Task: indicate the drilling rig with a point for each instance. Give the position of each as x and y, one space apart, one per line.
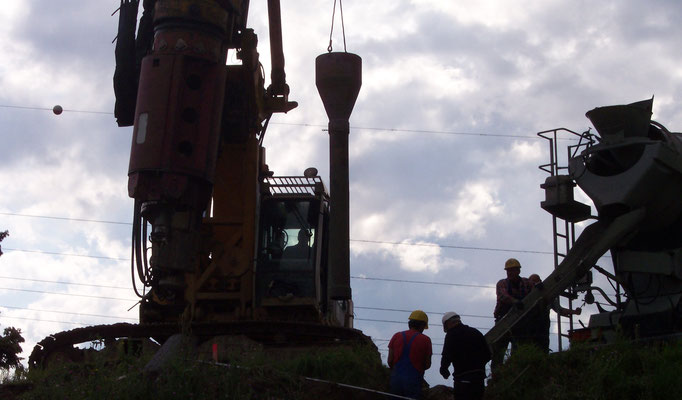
220 245
632 170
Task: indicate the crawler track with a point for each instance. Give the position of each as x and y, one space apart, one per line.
268 333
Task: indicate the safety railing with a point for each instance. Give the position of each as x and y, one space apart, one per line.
295 185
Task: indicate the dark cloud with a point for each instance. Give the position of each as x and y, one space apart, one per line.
71 34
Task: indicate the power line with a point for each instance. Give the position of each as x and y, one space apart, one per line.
322 126
452 246
69 313
388 340
68 254
414 131
124 288
351 240
119 299
64 283
65 218
423 282
403 243
403 322
50 109
353 277
68 294
433 312
428 312
45 320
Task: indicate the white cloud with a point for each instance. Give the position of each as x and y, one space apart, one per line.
525 152
477 202
424 257
422 74
66 188
10 13
465 217
464 214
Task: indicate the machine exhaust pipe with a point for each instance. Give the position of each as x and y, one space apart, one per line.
338 77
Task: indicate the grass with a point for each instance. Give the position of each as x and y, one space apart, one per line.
622 371
263 375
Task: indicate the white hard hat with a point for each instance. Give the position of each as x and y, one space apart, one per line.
449 315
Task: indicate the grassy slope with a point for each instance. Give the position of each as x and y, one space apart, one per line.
620 372
261 377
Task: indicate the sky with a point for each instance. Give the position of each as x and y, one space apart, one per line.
444 157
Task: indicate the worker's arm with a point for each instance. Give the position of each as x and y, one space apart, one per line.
445 358
564 312
391 354
427 361
503 295
485 348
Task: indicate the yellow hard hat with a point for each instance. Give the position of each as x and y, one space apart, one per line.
512 263
419 315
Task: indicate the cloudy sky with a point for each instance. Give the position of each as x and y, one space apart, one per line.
445 184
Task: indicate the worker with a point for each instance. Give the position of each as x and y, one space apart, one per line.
302 248
409 355
468 352
538 323
510 293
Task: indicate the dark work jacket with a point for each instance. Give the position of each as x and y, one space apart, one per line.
506 288
467 350
534 328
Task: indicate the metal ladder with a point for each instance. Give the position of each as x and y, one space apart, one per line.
563 231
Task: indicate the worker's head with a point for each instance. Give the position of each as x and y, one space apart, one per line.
512 263
418 320
513 268
535 279
450 320
304 236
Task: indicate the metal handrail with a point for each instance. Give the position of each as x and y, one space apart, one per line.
294 185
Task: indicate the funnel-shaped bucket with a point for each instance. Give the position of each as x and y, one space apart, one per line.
338 77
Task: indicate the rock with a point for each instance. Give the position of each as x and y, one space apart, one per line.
439 392
175 348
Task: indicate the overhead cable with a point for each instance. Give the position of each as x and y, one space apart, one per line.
68 294
354 128
69 313
64 283
402 243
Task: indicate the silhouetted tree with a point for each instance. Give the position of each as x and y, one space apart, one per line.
10 347
2 236
11 339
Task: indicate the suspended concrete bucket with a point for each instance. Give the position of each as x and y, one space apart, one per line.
338 77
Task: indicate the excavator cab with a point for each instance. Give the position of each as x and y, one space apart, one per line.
291 265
